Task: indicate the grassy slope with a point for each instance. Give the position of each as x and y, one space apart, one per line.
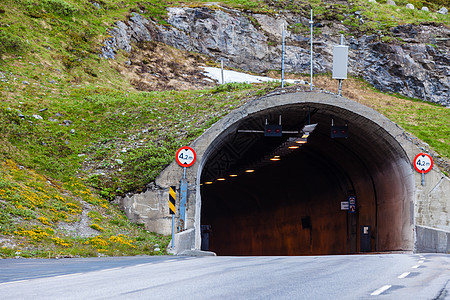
98 130
40 217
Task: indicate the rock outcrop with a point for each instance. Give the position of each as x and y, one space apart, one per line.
417 67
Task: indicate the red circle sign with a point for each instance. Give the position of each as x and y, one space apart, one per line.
423 163
185 156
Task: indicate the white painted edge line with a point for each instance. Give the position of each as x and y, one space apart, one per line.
110 269
415 267
65 275
381 290
421 261
37 278
17 281
404 275
142 265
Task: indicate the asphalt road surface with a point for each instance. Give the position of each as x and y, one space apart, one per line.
375 276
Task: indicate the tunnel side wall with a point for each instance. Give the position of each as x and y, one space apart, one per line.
151 209
431 210
432 205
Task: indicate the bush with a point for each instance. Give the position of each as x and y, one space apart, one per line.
38 9
10 43
59 7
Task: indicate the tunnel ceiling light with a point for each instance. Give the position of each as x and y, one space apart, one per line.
221 179
301 142
208 182
233 175
275 158
293 147
249 171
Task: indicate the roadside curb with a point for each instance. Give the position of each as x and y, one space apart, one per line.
196 253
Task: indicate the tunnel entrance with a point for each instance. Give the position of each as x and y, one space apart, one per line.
295 204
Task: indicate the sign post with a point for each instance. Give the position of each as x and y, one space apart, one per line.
185 157
423 163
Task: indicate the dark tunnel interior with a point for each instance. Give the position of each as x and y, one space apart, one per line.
328 196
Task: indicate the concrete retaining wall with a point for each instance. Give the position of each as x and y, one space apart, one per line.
432 204
432 240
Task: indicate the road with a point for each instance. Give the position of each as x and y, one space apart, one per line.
375 276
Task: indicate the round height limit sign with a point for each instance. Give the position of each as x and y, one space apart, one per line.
185 156
423 163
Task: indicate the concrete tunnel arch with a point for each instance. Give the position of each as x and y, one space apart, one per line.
248 218
373 164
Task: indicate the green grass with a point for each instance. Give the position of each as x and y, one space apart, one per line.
377 18
429 122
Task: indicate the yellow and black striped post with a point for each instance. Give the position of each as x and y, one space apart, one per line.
172 196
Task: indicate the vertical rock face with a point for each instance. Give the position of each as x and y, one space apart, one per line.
414 70
218 34
418 67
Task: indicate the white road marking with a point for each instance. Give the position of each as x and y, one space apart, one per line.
142 265
381 290
415 267
111 269
31 279
17 281
421 261
404 275
65 275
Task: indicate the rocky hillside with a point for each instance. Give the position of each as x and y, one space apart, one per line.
412 60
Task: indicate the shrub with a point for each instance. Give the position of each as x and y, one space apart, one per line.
38 9
59 7
10 43
97 227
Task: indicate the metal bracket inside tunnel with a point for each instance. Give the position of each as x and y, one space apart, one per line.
286 147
